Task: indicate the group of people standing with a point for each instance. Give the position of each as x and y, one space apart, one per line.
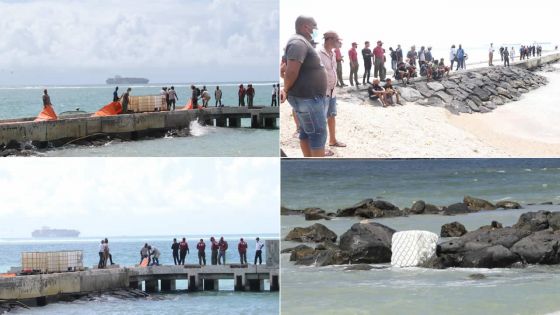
248 93
104 254
218 250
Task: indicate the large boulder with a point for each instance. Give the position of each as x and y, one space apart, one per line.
453 229
312 214
542 247
315 233
431 209
436 86
478 204
496 256
507 204
409 94
456 208
299 252
288 211
368 243
331 257
418 207
370 208
533 221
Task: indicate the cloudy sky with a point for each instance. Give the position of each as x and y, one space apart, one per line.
438 23
147 196
84 42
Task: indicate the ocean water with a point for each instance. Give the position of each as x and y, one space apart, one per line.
387 290
125 251
16 102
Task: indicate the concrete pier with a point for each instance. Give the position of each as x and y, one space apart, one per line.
130 126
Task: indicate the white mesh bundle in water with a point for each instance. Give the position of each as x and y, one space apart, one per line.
413 248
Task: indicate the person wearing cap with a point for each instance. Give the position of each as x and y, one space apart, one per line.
379 70
305 83
366 54
331 41
354 65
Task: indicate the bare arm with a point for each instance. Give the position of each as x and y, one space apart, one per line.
290 77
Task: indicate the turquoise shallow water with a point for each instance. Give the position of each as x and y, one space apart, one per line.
388 290
125 251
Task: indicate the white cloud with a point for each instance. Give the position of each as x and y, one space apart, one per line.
128 196
169 40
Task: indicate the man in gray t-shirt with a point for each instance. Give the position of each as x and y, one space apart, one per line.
305 83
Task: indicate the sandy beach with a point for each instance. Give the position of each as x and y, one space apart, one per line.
526 128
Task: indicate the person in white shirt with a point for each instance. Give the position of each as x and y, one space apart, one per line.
274 93
101 263
258 250
490 54
452 55
163 100
155 253
512 54
328 59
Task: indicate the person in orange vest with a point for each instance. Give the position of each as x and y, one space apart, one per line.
223 247
183 251
214 247
201 246
242 248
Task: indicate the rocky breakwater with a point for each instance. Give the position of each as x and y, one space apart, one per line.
480 90
375 208
534 239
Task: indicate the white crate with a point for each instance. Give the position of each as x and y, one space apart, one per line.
46 262
412 248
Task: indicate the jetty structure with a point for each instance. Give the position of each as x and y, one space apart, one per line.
40 289
129 126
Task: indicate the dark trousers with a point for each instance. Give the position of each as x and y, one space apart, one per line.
379 69
110 257
273 102
460 63
339 73
202 258
241 101
243 257
506 61
101 263
214 257
218 101
354 73
171 104
258 254
250 100
182 257
176 259
367 72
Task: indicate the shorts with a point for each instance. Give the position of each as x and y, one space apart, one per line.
330 107
312 120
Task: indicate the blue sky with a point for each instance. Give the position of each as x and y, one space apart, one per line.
140 196
79 42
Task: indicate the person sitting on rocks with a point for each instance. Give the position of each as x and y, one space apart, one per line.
402 72
442 68
376 92
390 92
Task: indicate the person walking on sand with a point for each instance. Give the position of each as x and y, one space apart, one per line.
242 249
218 96
183 251
274 93
354 65
175 251
223 246
116 94
366 54
331 40
491 54
453 56
214 247
250 95
125 100
241 93
173 98
379 55
201 248
258 251
305 83
339 61
505 54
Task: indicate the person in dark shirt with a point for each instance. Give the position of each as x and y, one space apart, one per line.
46 99
214 248
242 249
175 249
250 95
116 94
241 93
394 58
376 92
366 54
223 246
399 53
390 92
194 97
